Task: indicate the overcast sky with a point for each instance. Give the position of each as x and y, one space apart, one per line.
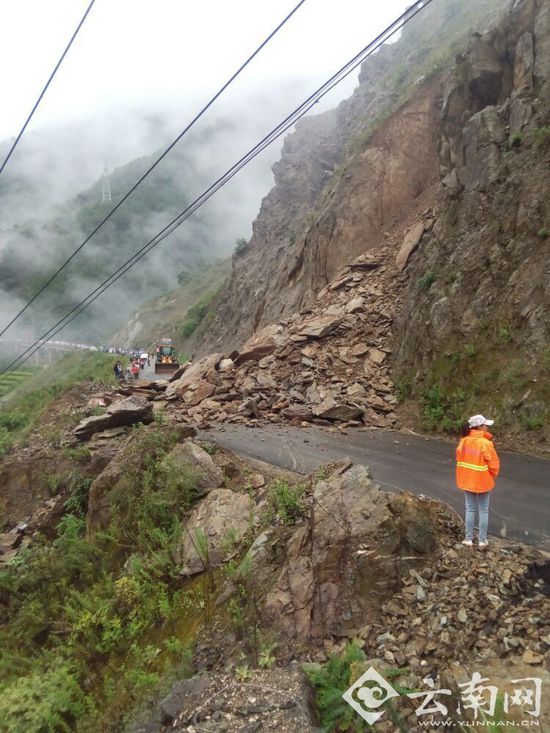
157 52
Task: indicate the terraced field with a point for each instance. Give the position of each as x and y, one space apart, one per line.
11 380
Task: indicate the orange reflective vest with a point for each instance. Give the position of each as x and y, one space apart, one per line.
477 463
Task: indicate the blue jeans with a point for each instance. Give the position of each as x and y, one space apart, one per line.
481 502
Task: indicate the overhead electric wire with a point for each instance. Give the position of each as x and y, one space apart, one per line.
153 166
45 88
279 130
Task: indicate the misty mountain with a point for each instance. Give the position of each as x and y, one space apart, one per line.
41 224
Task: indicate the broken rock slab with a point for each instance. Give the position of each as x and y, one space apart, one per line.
261 344
319 327
129 411
330 409
221 514
194 373
190 457
410 243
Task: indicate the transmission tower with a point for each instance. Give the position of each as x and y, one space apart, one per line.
106 188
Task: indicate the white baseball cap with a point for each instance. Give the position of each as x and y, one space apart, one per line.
476 421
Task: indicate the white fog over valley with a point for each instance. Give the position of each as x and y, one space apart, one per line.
135 76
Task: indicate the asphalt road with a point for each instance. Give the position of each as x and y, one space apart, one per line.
520 504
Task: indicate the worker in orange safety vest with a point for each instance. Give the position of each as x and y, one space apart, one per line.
477 466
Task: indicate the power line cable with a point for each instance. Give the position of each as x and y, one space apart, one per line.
288 122
45 89
277 132
153 166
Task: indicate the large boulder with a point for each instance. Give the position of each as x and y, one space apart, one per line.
129 411
261 344
319 327
279 699
194 373
222 518
191 458
523 65
330 409
410 243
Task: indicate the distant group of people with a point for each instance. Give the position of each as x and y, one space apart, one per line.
132 371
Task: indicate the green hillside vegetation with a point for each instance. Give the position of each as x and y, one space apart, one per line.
23 405
90 625
32 251
184 313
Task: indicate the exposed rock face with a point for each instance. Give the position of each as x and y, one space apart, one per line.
191 458
221 515
332 560
122 412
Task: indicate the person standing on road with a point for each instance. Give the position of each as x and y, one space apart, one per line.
477 466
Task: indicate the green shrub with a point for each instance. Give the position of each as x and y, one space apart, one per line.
504 334
46 701
443 411
287 501
330 681
426 281
240 246
516 140
542 134
80 454
404 389
544 232
532 422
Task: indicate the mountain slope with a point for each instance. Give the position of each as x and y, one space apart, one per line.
169 314
453 171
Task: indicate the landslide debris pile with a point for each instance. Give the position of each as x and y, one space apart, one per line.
328 363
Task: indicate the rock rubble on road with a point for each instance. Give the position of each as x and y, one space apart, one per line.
328 365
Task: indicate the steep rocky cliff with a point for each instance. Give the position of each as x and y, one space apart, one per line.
449 124
348 175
